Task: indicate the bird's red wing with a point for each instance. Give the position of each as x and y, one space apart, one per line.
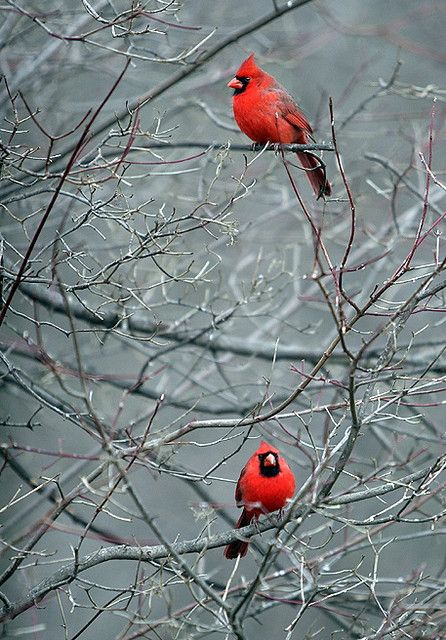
298 121
292 114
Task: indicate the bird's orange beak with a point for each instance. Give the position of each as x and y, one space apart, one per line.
269 461
235 84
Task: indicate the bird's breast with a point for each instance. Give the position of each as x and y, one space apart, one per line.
260 117
264 495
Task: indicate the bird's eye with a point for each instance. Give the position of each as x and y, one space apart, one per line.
243 79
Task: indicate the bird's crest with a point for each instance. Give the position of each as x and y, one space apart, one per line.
265 448
248 68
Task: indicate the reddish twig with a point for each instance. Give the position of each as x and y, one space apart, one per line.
52 202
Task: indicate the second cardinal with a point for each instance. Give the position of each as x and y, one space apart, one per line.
266 484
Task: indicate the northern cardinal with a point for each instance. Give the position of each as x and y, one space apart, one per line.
266 112
266 483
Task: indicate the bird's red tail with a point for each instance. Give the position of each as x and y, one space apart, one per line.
239 547
316 174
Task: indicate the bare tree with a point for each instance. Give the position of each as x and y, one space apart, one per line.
170 294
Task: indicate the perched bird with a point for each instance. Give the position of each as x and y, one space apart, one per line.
266 483
266 112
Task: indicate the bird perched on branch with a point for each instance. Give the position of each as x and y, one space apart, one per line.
266 484
266 112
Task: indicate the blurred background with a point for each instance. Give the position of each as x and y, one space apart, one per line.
163 289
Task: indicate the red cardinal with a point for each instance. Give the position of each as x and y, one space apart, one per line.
266 112
265 484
